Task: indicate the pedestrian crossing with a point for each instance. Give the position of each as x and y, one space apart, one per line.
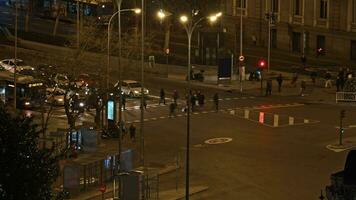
181 102
234 111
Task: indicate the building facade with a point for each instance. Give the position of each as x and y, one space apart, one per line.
299 26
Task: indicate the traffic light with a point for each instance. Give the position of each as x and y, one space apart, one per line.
262 64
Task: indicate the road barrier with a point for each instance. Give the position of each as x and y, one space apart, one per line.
346 96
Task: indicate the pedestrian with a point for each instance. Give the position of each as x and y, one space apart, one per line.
192 102
201 98
123 101
132 130
162 97
294 79
338 83
175 96
303 86
216 101
144 102
313 76
328 80
279 81
303 58
342 78
172 108
269 87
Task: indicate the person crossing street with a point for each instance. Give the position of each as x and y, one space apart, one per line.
162 97
216 101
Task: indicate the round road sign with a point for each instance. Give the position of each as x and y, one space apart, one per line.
218 140
102 188
241 58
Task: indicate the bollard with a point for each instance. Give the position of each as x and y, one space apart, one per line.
291 121
247 114
275 120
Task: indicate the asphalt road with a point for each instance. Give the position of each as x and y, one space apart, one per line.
261 162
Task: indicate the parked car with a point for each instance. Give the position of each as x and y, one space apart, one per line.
9 65
131 88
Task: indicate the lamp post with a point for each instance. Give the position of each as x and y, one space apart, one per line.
189 27
241 53
270 17
15 61
142 153
118 13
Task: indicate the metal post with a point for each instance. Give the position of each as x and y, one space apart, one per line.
120 99
15 62
342 115
269 40
78 24
188 118
142 153
241 45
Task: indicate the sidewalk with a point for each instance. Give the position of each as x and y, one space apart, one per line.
171 194
313 94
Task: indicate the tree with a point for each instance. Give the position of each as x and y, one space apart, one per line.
27 172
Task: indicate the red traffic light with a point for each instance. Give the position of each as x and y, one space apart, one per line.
262 63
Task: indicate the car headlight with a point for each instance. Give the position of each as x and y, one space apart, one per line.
81 104
27 103
146 91
136 92
60 100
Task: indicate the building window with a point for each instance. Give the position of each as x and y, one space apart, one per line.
354 11
323 9
353 50
241 4
275 6
298 7
296 42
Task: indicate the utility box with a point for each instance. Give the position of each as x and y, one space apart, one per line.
133 185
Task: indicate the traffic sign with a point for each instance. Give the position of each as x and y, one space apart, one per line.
241 58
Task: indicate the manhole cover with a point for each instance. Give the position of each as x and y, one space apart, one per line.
218 140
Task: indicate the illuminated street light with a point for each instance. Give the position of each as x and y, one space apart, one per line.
189 27
183 19
118 13
161 15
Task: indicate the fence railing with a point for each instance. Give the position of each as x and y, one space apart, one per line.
346 96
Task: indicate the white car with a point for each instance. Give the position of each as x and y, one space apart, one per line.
9 65
131 88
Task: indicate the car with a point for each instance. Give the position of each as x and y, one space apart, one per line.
131 88
55 96
9 65
86 80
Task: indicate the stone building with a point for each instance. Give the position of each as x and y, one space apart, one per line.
300 26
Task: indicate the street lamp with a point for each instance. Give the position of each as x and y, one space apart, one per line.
118 13
271 18
136 11
15 61
189 27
